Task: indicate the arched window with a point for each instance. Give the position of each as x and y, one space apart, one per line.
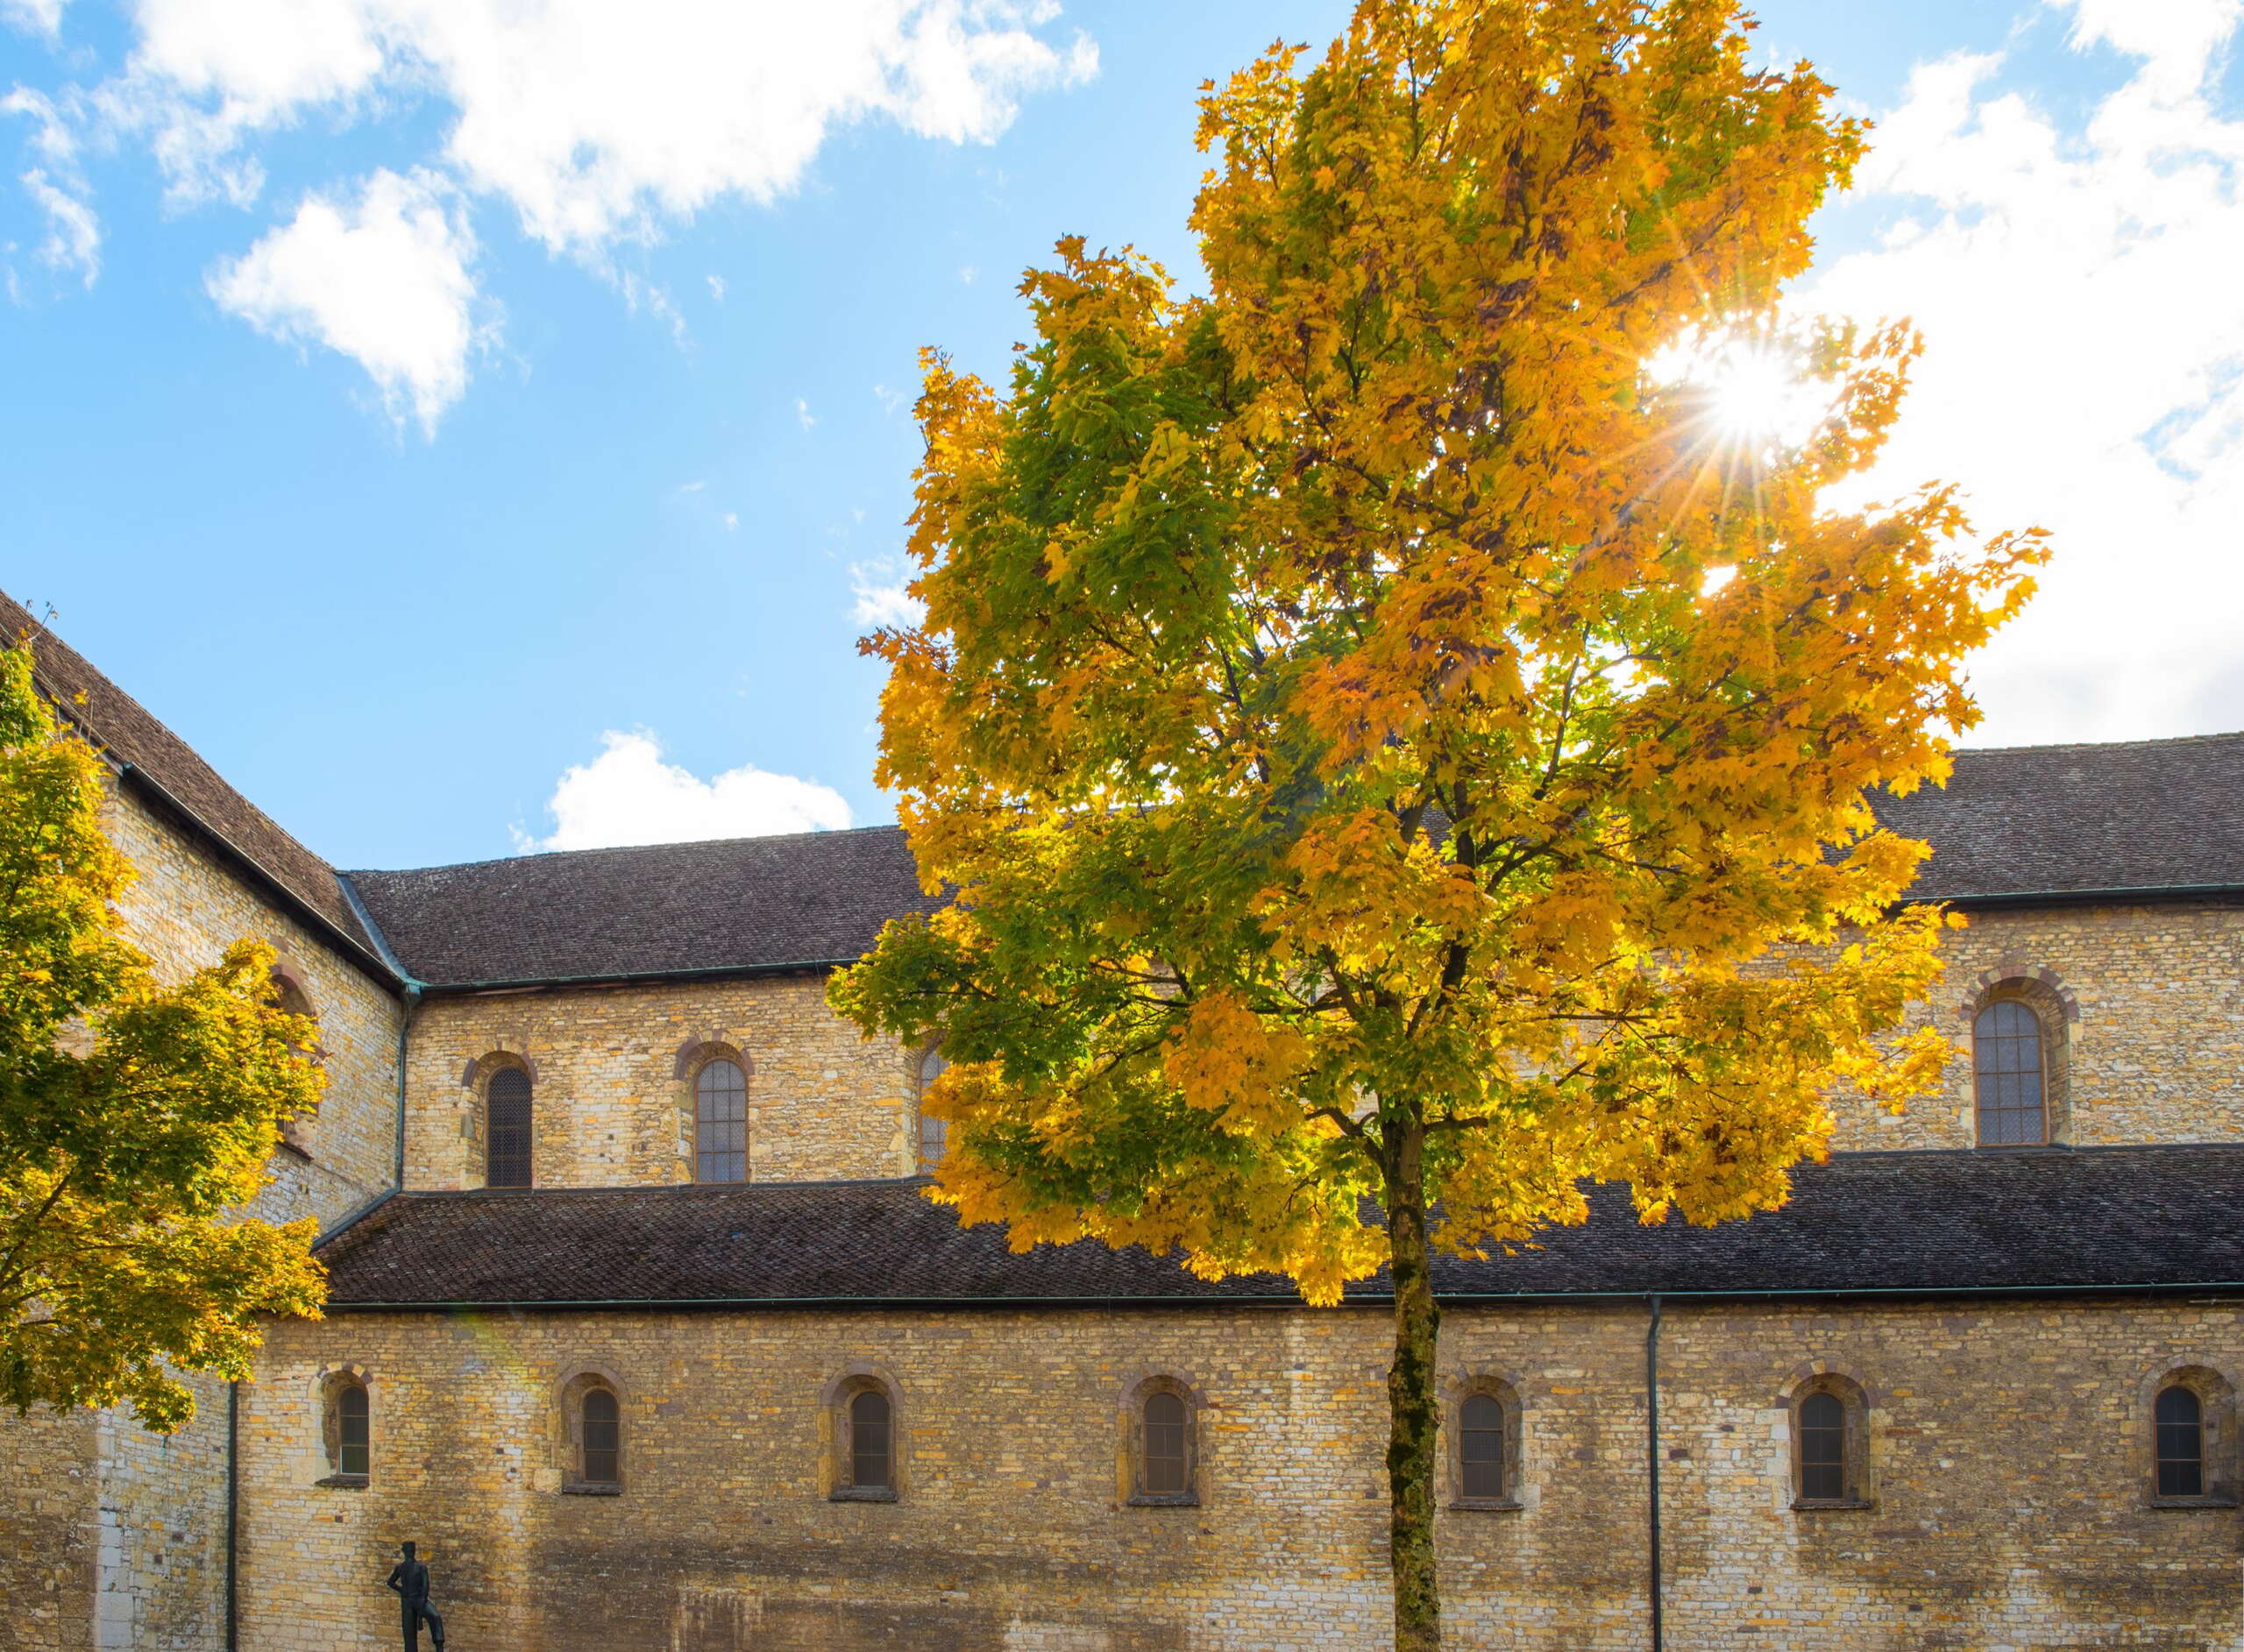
1829 1441
285 995
355 1451
720 1121
1823 1448
1163 1456
2010 1072
602 1457
931 1132
1165 1460
506 1106
872 1448
1480 1448
348 1430
2180 1432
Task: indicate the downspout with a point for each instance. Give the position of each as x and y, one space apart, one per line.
412 998
1651 1432
233 1514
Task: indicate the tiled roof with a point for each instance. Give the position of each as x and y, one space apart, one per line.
1921 1223
116 722
2037 819
744 902
2144 814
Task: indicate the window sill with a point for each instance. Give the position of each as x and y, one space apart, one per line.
343 1483
862 1495
2217 1501
1164 1499
579 1488
298 1149
1487 1506
1831 1505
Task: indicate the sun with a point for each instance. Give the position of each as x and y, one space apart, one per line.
1751 393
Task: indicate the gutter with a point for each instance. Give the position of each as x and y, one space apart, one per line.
711 972
2148 894
410 988
1586 1299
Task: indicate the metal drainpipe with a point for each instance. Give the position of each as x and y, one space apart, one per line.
233 1514
1651 1431
404 1034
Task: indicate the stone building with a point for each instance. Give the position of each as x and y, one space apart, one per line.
641 1328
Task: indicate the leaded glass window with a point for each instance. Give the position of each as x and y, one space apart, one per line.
1165 1470
603 1437
353 1431
1480 1448
931 1133
2010 1074
720 1121
871 1453
1823 1448
507 1101
2180 1431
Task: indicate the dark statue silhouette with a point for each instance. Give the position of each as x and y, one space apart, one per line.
410 1578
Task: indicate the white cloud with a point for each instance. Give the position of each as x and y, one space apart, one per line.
630 794
35 17
384 279
892 402
596 119
881 596
716 287
2084 365
803 416
74 235
732 521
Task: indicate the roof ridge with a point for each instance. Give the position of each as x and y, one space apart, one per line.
143 745
2100 744
625 848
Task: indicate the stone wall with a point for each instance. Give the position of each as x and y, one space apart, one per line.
2008 1449
2157 1047
611 1074
125 1541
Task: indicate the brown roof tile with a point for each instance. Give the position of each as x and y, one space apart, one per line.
1923 1222
118 723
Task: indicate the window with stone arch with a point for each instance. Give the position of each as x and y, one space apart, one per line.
1830 1444
593 1442
287 994
2021 1061
721 1119
863 1415
1484 1446
934 1132
1160 1443
346 1429
508 1122
2190 1437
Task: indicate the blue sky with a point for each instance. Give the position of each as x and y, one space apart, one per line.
472 433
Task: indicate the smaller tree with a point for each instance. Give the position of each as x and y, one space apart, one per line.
135 1118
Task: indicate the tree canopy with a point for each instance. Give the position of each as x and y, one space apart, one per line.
1398 751
135 1118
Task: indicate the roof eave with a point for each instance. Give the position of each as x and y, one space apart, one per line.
239 859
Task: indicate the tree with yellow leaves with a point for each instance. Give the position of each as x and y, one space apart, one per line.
1399 751
134 1117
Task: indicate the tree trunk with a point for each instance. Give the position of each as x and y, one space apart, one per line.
1411 1402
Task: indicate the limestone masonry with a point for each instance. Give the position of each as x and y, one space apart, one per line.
1956 1395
